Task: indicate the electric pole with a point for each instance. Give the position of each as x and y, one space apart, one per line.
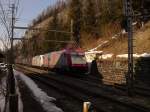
12 96
12 32
129 17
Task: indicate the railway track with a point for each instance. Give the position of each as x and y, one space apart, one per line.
138 90
116 89
90 81
66 90
84 92
95 81
61 88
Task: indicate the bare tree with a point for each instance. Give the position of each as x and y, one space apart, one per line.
5 20
5 39
4 17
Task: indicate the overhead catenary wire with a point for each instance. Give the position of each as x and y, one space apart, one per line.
41 29
4 19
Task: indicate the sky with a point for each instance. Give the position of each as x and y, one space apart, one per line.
27 11
30 9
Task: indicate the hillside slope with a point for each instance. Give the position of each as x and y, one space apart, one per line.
120 45
96 28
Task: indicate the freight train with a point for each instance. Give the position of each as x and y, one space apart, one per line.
65 60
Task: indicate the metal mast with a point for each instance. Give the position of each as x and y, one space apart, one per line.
13 97
129 17
12 32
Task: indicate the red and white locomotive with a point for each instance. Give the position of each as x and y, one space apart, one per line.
64 60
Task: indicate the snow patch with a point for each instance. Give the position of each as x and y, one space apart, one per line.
114 37
2 102
40 96
134 55
134 23
20 106
2 96
106 56
94 52
123 32
91 55
105 42
145 55
122 56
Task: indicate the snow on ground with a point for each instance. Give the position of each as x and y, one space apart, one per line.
134 55
90 56
126 56
2 96
2 102
19 97
98 46
145 55
40 96
106 56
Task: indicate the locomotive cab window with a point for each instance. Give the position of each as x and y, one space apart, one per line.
78 59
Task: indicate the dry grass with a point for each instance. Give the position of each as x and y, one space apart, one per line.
142 40
89 42
120 45
116 46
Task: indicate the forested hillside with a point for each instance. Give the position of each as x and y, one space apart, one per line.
91 21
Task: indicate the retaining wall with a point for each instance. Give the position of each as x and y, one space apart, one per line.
113 71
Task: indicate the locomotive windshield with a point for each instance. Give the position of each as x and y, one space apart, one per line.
78 59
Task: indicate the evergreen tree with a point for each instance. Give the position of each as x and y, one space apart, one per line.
89 15
52 25
116 9
48 46
75 15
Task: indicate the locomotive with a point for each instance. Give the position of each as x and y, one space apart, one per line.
64 60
